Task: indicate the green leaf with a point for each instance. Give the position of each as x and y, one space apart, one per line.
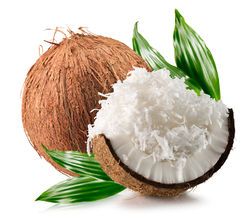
77 162
194 58
156 61
80 189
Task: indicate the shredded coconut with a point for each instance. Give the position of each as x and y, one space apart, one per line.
160 116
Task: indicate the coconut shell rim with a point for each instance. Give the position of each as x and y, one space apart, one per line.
188 184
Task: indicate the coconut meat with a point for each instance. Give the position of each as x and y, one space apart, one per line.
161 130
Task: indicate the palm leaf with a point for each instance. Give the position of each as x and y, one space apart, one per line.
80 189
156 61
77 162
194 58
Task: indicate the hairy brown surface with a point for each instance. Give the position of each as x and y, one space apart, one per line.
121 173
62 88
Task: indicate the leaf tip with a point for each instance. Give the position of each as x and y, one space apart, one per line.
136 26
44 147
44 197
178 16
39 198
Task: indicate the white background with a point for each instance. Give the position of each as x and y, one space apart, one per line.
224 25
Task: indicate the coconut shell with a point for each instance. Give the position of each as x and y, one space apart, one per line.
122 174
61 89
104 154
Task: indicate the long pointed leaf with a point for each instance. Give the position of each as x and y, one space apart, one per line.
156 61
80 189
194 58
77 162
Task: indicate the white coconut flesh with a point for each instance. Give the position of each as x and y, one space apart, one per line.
161 130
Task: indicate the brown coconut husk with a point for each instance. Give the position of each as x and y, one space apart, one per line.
62 88
122 174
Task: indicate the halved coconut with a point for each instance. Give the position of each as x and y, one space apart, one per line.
156 137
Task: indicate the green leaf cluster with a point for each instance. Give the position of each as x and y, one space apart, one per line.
91 184
194 60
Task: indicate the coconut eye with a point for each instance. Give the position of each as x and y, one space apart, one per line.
165 141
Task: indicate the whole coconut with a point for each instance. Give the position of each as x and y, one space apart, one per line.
61 90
